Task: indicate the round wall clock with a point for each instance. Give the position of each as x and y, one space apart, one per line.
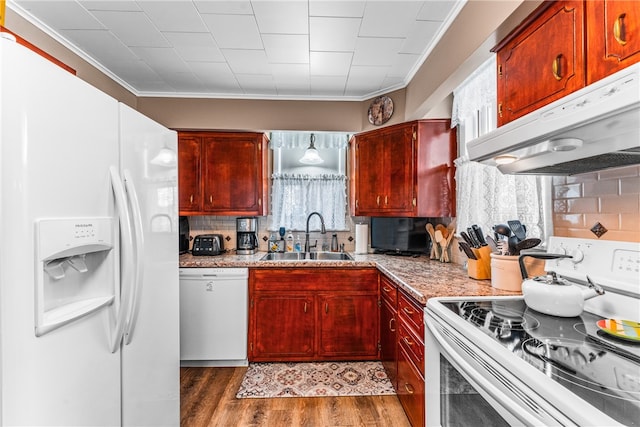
380 110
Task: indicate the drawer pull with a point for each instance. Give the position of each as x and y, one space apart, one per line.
556 68
619 29
386 289
408 341
409 388
326 307
305 307
391 328
408 311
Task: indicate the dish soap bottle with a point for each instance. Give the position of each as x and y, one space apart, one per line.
297 247
334 243
289 242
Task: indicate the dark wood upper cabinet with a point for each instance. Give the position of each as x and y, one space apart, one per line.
222 173
404 170
543 62
562 47
613 37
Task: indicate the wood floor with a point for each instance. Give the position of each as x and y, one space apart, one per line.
207 398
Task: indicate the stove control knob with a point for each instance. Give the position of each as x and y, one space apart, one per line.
577 256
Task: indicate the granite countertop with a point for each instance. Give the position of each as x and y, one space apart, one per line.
420 277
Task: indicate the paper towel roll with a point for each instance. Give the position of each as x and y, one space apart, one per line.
362 238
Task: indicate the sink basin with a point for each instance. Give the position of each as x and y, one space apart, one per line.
283 256
335 256
295 256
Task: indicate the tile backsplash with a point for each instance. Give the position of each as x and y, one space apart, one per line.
610 198
226 225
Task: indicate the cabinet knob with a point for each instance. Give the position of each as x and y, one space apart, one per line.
378 200
191 198
305 307
619 29
556 67
326 307
211 199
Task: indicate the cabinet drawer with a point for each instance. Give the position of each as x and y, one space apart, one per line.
411 312
389 291
414 347
410 389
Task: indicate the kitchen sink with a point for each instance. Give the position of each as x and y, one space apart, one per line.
295 256
283 256
335 256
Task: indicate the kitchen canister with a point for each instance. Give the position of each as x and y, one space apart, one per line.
505 271
362 238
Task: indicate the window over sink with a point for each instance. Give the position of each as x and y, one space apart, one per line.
297 188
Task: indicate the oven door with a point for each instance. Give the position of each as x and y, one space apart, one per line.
466 387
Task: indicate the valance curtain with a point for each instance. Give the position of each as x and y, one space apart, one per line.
294 196
484 195
282 139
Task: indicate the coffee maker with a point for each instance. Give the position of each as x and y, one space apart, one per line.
247 235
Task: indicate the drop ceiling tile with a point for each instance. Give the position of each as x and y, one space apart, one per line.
195 46
101 45
289 71
258 84
62 15
234 31
376 51
352 9
434 10
330 63
420 31
365 78
333 34
286 48
247 61
161 59
403 65
132 28
281 17
214 73
184 82
174 16
235 7
327 85
377 20
121 5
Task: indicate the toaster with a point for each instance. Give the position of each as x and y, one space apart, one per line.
207 244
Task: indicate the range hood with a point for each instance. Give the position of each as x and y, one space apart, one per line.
595 128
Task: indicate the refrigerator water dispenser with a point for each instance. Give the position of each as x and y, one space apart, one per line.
75 270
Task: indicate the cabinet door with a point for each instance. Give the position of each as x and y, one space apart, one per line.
282 326
369 174
348 325
232 176
388 339
189 154
399 194
613 37
543 63
410 388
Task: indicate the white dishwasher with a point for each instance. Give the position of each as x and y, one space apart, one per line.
213 316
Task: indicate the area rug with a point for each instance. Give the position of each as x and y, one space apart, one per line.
314 379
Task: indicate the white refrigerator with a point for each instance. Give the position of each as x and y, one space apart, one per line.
89 323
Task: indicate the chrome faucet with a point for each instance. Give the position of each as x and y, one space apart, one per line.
307 247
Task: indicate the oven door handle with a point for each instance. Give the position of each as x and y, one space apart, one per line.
479 382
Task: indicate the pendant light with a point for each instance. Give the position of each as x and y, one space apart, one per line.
311 156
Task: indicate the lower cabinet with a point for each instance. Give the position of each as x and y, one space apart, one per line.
299 314
402 348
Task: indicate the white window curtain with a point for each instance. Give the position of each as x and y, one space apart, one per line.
294 196
484 195
284 139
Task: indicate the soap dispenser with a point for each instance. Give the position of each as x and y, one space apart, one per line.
334 243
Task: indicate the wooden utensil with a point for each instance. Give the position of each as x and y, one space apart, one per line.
435 247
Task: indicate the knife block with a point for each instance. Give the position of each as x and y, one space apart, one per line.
480 268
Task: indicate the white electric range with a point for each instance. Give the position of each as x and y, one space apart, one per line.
494 361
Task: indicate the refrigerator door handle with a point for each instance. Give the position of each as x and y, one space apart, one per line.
138 256
126 252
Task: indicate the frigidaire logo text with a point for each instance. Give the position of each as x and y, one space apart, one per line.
83 225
